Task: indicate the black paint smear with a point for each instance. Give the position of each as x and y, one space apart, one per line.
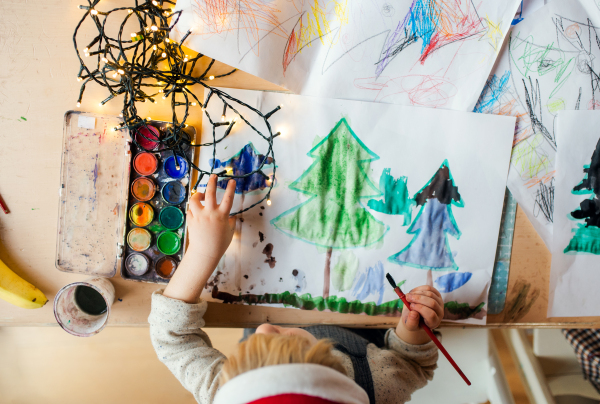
268 251
589 209
262 207
246 276
260 213
214 281
533 100
261 236
520 305
242 219
544 201
295 272
441 188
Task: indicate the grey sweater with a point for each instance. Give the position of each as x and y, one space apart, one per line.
398 369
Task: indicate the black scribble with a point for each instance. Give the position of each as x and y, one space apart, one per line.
578 100
533 99
544 201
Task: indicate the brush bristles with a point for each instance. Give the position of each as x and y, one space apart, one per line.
391 280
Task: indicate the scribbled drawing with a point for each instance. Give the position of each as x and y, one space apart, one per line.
333 216
395 197
244 163
429 249
533 100
495 89
371 283
587 236
460 311
436 23
544 200
452 281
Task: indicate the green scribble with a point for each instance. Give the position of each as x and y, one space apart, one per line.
344 271
395 197
23 118
336 182
461 311
586 240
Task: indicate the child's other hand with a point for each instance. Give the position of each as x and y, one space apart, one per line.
210 227
425 301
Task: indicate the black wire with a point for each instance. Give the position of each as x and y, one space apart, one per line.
140 78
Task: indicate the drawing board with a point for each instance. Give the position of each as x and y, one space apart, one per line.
575 271
432 53
361 189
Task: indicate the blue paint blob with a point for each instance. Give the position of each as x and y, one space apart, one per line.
246 161
172 171
173 192
370 283
452 281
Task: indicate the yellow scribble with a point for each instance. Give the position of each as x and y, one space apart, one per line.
529 158
318 23
494 33
555 105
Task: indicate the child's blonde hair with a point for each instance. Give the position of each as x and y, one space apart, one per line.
261 350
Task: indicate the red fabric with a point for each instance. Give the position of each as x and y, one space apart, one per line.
292 399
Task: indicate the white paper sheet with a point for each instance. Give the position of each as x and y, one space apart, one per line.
412 142
543 69
575 273
429 53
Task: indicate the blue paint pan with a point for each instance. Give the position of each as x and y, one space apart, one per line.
173 192
171 168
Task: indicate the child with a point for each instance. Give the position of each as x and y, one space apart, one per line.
279 364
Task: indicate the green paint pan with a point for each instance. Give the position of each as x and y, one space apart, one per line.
171 217
168 243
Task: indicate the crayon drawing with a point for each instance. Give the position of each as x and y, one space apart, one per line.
434 53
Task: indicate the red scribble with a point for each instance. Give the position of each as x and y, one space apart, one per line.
291 47
546 178
594 104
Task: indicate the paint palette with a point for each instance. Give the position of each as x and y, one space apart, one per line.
121 206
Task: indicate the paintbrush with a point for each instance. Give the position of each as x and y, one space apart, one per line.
424 326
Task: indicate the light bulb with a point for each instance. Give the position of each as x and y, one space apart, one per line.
100 104
121 71
105 60
133 34
155 47
94 12
211 77
280 105
148 119
269 202
114 129
86 49
121 115
193 104
155 2
223 118
79 79
78 104
167 40
115 75
185 59
154 28
130 11
160 90
164 97
164 55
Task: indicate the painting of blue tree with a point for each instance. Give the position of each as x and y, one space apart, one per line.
244 162
429 249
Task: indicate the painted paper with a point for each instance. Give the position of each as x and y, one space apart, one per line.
434 53
362 189
549 63
575 273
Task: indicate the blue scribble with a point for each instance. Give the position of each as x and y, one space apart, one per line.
492 92
518 19
429 249
452 281
370 283
244 162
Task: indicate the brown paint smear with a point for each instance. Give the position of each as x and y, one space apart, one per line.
268 251
520 305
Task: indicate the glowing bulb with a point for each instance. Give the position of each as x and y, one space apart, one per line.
78 104
100 104
148 119
133 34
87 55
167 40
86 49
130 11
121 71
154 28
105 60
223 118
114 129
94 12
269 202
160 90
115 75
164 55
193 104
211 77
164 97
185 59
155 2
121 115
280 105
79 79
155 47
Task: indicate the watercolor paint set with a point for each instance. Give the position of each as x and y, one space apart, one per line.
121 207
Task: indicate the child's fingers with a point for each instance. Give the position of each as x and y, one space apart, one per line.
429 292
424 300
227 201
196 204
210 197
429 315
410 319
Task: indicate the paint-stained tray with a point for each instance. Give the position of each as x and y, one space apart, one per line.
160 178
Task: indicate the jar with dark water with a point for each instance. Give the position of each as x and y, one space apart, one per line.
89 300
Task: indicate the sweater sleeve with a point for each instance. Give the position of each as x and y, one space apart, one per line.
399 369
182 346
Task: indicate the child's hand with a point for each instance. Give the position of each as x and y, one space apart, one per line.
210 227
426 302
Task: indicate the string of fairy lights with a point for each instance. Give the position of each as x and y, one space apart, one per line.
147 65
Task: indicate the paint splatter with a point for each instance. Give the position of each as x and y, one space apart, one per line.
344 271
245 276
23 118
452 281
395 197
520 305
371 283
244 162
268 251
295 272
261 236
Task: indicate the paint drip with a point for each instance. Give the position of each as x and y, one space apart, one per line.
171 169
141 214
137 264
89 300
139 239
145 136
145 163
165 267
168 243
143 189
171 217
173 192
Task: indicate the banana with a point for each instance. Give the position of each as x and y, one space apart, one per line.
18 291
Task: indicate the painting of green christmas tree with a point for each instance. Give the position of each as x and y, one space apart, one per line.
333 217
429 249
587 236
